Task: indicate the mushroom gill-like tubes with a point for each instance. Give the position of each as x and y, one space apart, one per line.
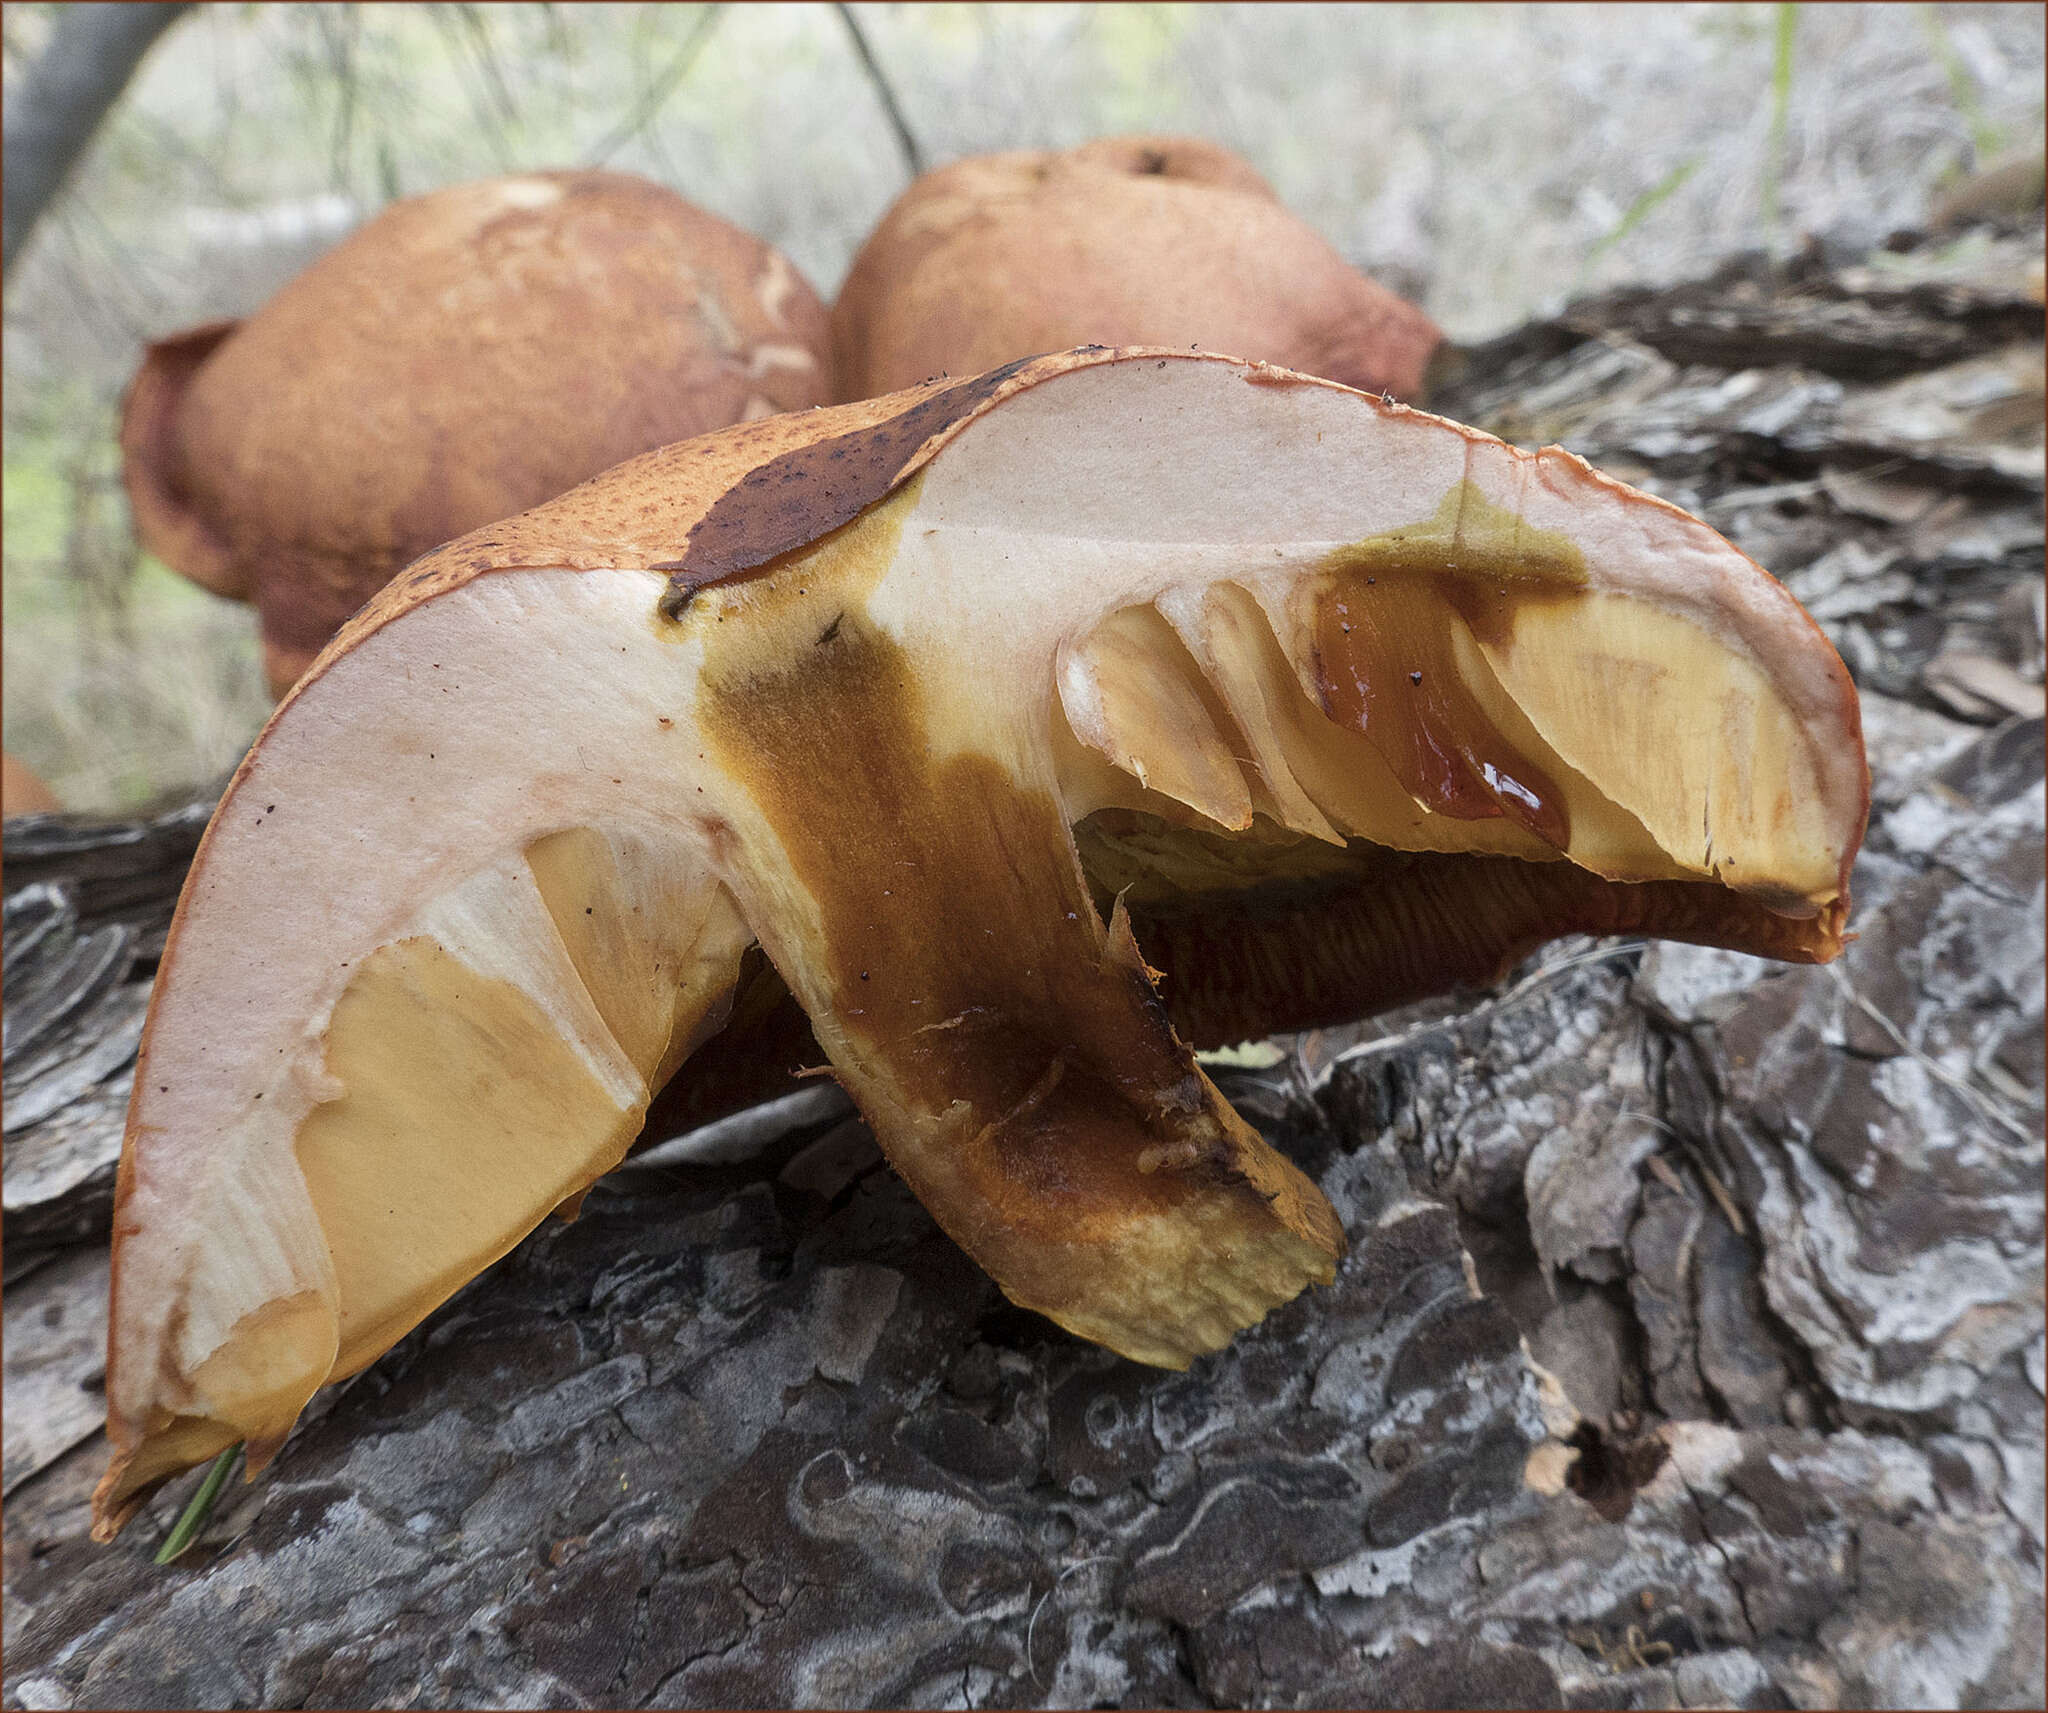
972 708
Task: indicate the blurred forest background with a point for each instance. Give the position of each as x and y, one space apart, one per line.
1489 161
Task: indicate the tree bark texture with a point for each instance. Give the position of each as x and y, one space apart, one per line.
1688 1351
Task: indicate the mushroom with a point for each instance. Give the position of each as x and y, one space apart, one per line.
975 707
1127 240
465 355
22 791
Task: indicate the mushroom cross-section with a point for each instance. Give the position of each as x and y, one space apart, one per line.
976 708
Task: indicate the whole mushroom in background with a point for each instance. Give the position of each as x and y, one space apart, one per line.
22 791
1124 241
466 355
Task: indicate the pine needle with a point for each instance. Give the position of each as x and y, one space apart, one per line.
1781 110
186 1530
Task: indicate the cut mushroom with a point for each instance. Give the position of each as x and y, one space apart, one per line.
974 707
465 355
1128 240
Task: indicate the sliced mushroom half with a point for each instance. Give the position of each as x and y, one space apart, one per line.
976 707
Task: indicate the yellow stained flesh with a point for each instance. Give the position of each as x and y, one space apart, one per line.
1671 754
1147 686
1683 732
467 1114
467 1118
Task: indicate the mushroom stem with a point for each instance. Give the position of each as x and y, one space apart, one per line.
1008 1046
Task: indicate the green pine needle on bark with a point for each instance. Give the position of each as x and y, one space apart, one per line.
1781 109
1638 211
194 1516
1985 137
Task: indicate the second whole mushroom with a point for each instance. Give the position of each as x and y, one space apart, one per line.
467 354
1124 241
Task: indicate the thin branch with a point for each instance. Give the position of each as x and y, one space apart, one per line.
913 156
490 105
340 28
51 116
1978 1101
660 89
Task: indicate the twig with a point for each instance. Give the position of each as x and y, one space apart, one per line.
340 28
457 27
1031 1628
913 156
661 88
1981 1102
1696 1153
56 105
186 1530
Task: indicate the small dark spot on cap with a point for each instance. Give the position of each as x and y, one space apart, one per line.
1415 678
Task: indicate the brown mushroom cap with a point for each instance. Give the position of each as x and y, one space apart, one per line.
936 699
1127 240
465 355
22 791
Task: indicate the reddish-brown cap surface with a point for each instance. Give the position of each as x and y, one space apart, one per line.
22 792
466 355
1127 240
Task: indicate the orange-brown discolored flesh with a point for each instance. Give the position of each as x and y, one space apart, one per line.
1018 1065
1386 667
